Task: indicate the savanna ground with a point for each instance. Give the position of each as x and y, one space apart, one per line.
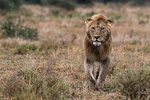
58 52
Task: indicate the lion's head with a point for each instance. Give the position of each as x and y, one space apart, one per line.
98 29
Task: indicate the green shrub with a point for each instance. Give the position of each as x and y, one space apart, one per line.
8 29
134 84
25 48
8 5
28 84
11 29
28 33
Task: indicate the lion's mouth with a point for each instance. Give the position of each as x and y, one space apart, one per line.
97 43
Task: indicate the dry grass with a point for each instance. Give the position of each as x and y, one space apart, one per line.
60 48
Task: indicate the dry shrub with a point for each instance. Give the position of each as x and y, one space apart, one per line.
146 48
12 86
9 45
28 84
134 84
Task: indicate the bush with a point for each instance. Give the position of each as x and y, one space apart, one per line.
25 48
28 84
27 33
11 29
10 4
135 84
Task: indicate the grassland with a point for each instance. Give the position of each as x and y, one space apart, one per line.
57 56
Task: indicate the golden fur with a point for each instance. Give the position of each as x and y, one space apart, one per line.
97 46
101 52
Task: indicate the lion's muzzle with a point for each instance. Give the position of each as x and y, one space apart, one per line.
97 43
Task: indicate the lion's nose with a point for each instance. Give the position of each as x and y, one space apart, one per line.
96 36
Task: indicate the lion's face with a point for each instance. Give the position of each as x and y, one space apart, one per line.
98 31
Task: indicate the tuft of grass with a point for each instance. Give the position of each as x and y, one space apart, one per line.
28 84
134 42
26 12
11 29
146 48
142 18
109 87
25 48
90 14
49 45
46 46
134 84
129 49
117 16
58 12
9 45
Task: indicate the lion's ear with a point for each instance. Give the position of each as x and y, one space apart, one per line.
110 22
88 20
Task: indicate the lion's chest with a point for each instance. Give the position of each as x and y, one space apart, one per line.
98 53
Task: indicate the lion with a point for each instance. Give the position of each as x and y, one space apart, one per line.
97 48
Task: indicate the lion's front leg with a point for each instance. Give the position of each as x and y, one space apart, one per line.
89 73
99 72
102 72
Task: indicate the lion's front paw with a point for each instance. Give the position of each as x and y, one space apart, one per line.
98 86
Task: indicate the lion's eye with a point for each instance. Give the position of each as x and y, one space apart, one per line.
93 29
102 29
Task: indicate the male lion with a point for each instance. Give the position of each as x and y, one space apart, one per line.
97 47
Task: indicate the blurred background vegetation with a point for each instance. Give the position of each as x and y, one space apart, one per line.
9 5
